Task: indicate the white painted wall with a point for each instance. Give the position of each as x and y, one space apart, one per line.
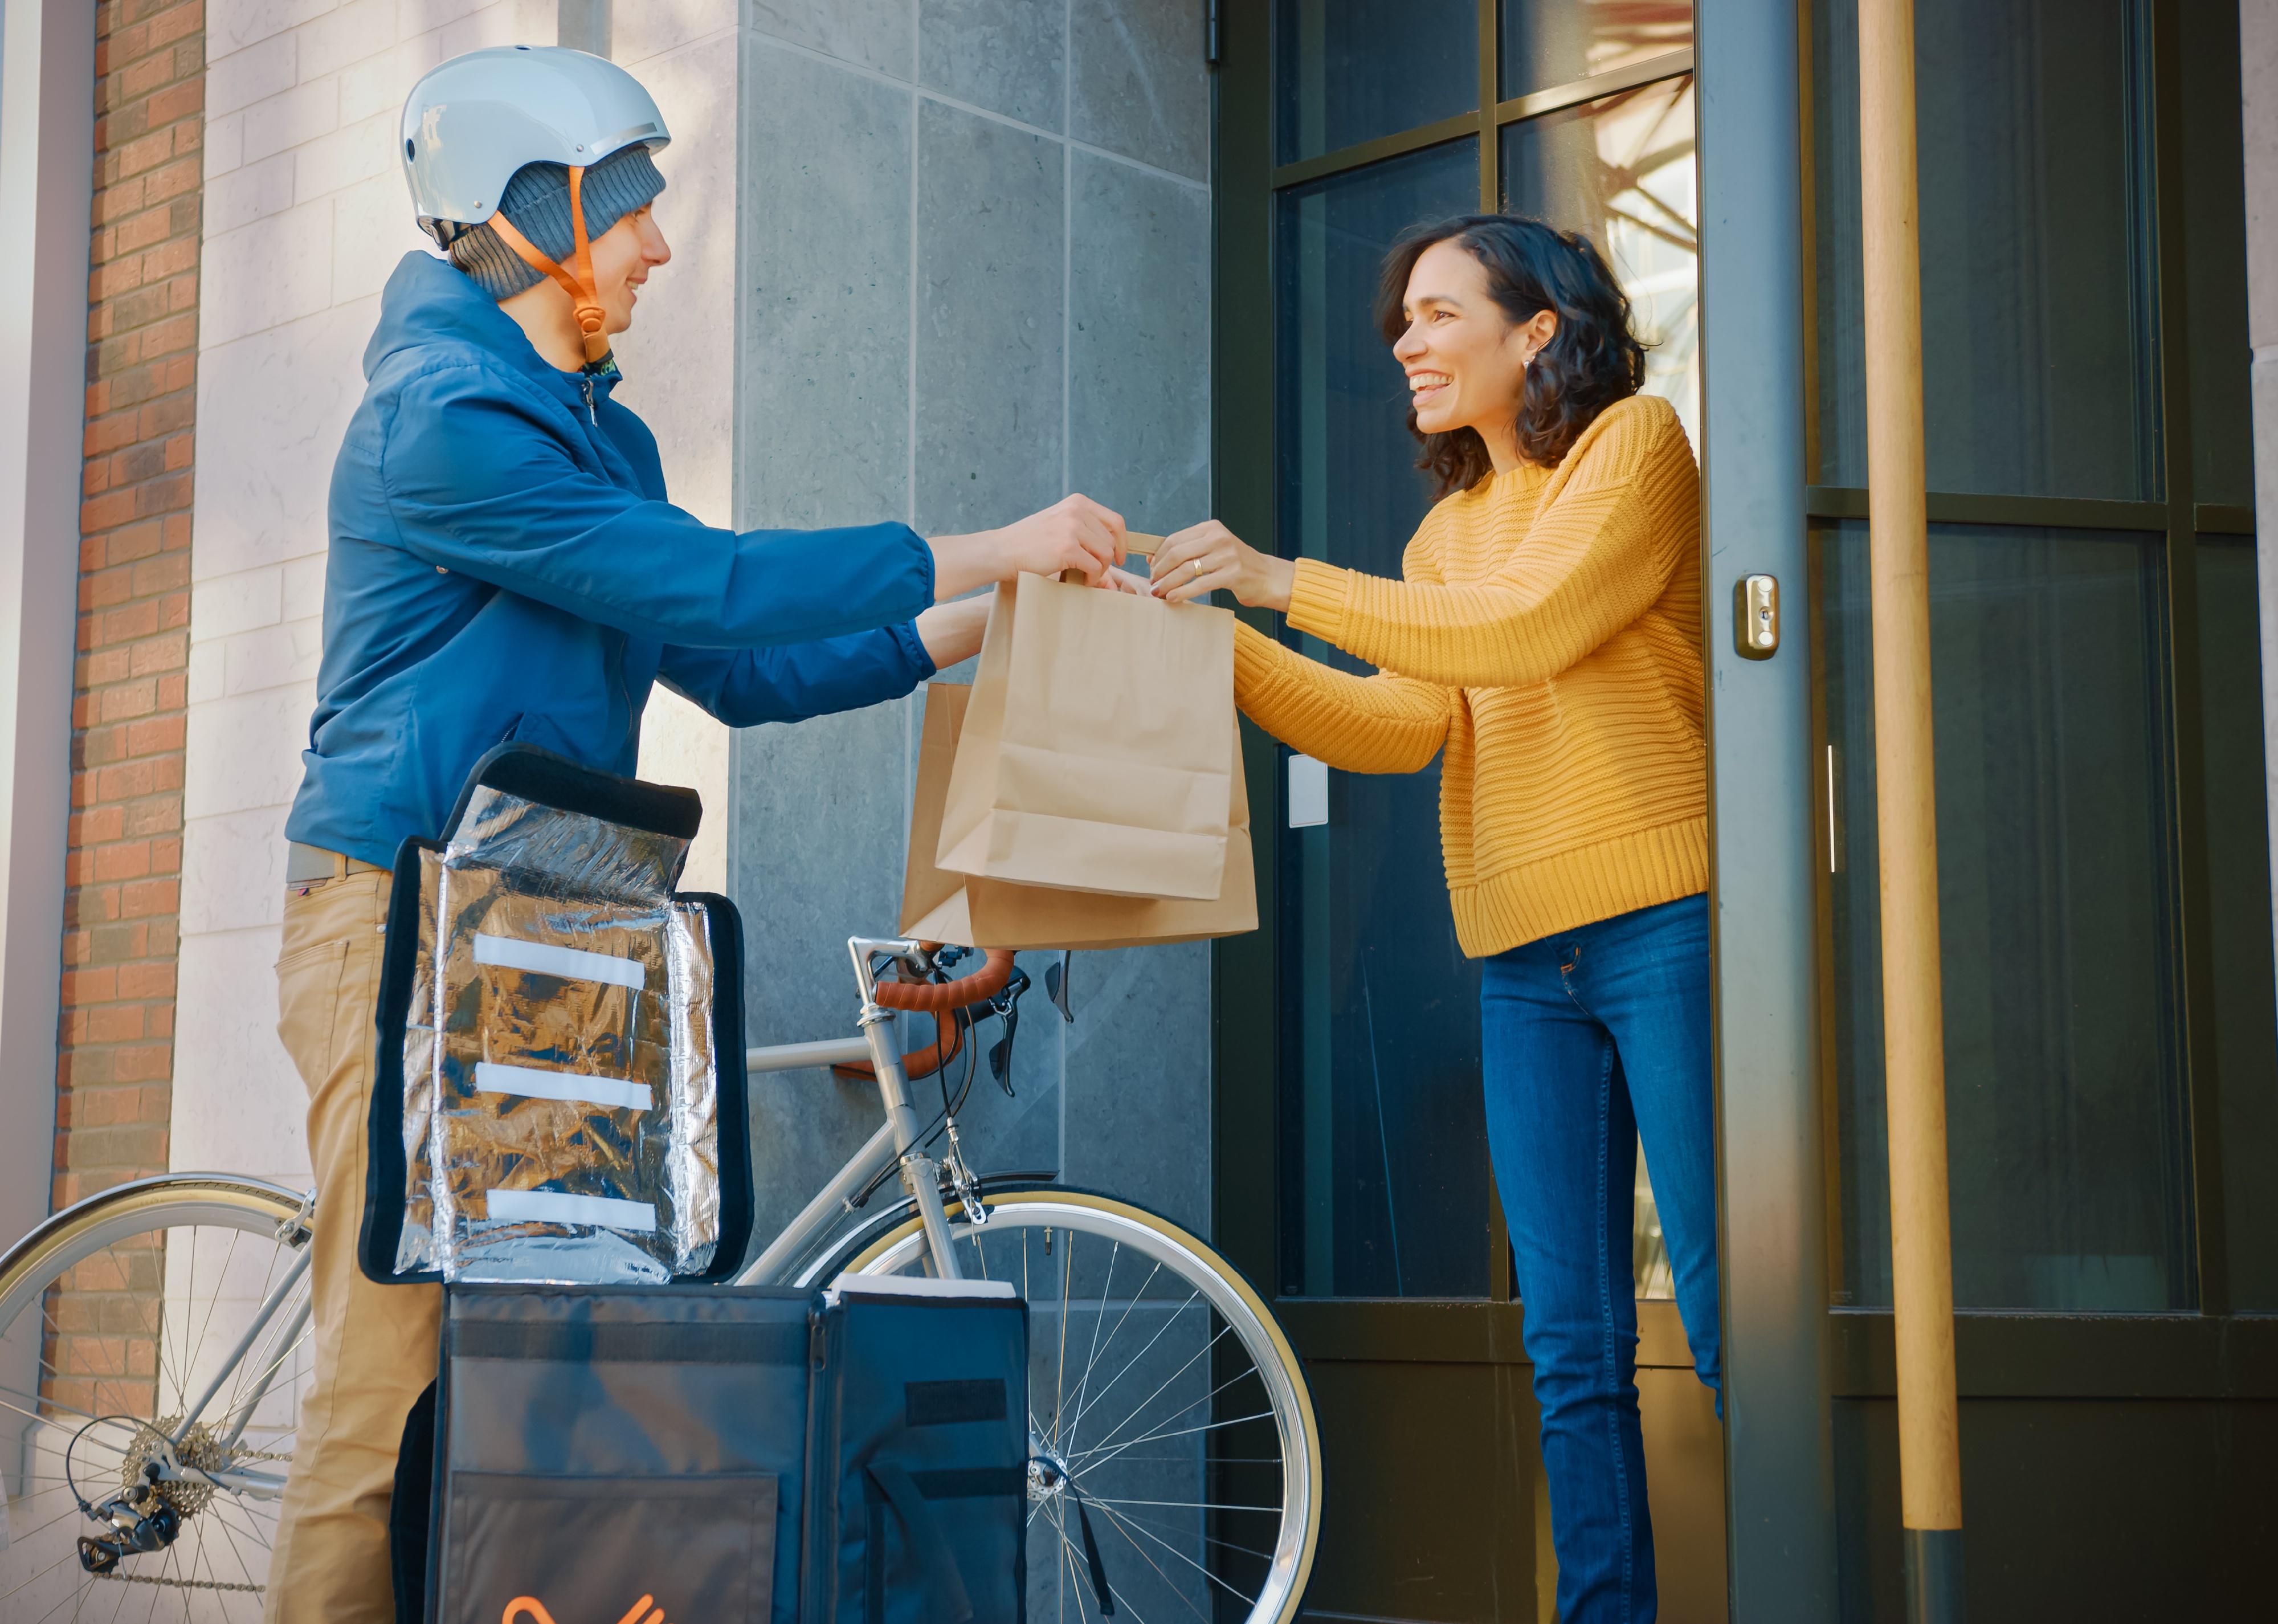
305 216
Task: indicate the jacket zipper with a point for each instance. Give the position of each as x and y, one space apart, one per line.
587 383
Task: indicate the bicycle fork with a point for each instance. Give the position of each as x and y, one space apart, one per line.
920 1174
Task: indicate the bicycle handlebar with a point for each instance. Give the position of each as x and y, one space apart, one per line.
939 998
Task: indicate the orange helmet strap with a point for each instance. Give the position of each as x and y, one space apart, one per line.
579 287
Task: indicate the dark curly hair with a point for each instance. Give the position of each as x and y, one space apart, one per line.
1593 361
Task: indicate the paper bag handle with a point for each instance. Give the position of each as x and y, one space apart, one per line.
1134 541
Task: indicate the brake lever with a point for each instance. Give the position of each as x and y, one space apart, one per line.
1006 1005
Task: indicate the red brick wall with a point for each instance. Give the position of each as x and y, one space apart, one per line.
114 1073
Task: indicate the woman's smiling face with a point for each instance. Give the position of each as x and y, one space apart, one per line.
1465 360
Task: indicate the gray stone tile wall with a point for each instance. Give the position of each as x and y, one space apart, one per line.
974 276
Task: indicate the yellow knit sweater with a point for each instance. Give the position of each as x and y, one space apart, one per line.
1548 635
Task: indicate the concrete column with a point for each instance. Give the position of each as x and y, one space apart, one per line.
976 277
47 147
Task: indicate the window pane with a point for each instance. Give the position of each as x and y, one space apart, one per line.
2064 1086
2238 916
1353 70
1620 170
2214 231
2038 363
1560 43
1383 1133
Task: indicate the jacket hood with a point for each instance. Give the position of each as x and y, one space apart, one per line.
430 300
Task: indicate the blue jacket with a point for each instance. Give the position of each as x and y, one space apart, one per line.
504 565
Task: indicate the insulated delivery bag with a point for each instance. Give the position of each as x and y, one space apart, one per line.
559 1135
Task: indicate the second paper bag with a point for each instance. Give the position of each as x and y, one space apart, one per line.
938 906
1098 744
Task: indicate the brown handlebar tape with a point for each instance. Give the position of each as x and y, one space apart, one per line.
938 998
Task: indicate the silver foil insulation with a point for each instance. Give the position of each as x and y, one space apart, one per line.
561 1094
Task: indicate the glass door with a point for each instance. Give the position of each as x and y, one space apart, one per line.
1343 123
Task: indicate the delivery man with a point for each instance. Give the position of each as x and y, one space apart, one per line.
504 565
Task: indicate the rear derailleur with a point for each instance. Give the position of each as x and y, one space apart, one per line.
139 1519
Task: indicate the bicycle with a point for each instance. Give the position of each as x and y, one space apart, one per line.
1204 1486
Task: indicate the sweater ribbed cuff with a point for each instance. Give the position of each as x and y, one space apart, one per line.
1317 598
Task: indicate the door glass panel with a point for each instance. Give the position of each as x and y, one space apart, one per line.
2239 912
2214 231
1559 44
2038 299
1620 170
1384 1139
1353 70
2069 1171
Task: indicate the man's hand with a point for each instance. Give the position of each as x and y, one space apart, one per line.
1076 532
1204 558
951 632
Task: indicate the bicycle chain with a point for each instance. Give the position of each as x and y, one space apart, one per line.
179 1584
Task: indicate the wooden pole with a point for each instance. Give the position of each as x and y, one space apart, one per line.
1922 1259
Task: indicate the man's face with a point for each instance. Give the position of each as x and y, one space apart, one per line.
622 258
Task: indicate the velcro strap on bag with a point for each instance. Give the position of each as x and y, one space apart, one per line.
953 1605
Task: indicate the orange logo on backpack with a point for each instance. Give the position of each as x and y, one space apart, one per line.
644 1611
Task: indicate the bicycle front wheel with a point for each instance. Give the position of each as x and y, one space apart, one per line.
1166 1410
117 1316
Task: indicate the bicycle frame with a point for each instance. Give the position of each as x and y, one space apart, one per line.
897 1140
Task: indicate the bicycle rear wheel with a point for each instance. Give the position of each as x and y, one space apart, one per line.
1167 1409
117 1314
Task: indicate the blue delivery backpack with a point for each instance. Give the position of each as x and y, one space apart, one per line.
720 1455
559 1135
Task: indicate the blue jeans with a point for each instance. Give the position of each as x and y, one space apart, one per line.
1590 1040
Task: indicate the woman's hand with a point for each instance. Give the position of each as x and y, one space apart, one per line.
1076 532
951 632
1204 558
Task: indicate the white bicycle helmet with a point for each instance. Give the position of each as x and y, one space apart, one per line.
470 123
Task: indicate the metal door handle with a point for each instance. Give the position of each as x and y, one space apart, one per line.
1755 617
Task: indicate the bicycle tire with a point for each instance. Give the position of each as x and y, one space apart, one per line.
172 1204
894 1241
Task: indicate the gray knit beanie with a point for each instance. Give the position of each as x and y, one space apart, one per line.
537 200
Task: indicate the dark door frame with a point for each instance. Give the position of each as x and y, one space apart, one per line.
1778 1445
1779 1475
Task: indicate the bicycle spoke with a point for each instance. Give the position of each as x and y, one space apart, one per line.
187 1366
1182 1432
1212 1539
1174 1376
1059 1381
1123 1521
1111 1499
274 1366
1099 1319
1169 1583
1230 1381
1169 1321
1136 1298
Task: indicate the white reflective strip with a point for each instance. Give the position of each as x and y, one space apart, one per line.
494 1079
916 1285
553 1206
572 963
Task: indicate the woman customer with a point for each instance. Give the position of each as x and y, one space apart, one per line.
1546 635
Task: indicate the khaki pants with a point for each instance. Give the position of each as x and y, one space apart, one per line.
375 1345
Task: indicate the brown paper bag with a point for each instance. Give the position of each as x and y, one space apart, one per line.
940 906
1097 746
